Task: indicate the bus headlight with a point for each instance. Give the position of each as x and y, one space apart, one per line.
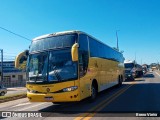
72 88
31 91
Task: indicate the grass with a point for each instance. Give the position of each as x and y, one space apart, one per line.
12 97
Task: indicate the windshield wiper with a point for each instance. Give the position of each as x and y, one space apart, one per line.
56 74
34 78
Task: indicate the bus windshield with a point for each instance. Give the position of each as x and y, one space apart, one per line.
61 66
51 66
129 65
37 67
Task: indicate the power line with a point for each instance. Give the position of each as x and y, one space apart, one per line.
8 59
9 53
15 33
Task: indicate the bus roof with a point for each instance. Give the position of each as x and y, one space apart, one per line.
70 32
129 61
56 34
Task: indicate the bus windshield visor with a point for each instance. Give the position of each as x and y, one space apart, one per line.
53 42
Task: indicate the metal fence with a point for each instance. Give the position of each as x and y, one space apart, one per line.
14 83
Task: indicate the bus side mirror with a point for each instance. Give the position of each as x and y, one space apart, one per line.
21 60
74 52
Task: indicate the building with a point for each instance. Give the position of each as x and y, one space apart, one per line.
154 66
12 77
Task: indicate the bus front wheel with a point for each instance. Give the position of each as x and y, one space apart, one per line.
94 92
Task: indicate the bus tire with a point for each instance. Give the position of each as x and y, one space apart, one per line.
120 79
132 78
57 102
94 92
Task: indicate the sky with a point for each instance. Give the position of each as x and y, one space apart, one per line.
137 23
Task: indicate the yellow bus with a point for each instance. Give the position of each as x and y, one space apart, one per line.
70 66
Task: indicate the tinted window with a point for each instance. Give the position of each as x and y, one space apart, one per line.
98 49
129 65
61 66
83 54
83 42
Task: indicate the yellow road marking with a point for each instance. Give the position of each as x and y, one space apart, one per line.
100 104
103 102
89 116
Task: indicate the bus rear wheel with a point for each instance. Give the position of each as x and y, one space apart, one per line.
120 81
56 102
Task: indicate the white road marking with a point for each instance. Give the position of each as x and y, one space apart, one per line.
157 74
31 107
21 104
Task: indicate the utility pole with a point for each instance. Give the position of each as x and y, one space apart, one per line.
135 60
158 65
1 65
135 56
117 39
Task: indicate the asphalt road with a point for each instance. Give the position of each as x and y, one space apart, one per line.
135 98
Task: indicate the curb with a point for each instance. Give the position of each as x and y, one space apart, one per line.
13 97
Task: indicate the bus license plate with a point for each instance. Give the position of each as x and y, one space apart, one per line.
48 98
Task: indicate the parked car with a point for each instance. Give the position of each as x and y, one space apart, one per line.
3 90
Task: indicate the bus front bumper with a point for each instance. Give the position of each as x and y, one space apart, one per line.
56 97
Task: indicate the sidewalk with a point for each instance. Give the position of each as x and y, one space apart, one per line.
16 88
158 71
